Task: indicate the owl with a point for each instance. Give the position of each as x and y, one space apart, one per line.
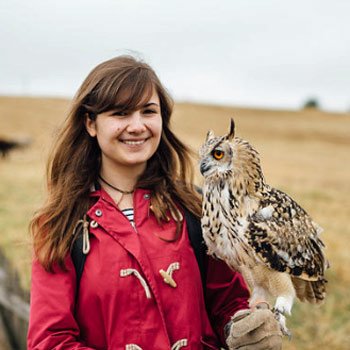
259 230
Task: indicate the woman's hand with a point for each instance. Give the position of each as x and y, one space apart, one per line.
255 329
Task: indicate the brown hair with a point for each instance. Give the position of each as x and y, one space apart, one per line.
74 163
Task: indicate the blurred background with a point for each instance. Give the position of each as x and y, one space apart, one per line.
280 68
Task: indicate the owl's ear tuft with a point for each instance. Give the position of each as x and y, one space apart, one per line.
231 133
210 135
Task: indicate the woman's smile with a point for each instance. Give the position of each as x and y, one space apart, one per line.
134 142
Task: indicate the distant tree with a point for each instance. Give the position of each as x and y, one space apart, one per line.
311 103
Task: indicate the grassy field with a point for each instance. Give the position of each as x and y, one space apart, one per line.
304 153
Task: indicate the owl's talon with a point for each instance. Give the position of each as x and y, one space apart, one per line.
281 319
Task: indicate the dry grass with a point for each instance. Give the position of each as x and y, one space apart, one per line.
304 153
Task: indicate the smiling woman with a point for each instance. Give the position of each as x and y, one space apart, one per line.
127 139
119 172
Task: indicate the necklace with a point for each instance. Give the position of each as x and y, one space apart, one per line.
115 188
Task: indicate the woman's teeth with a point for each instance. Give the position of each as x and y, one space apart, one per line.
134 142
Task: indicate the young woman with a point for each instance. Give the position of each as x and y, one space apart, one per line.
118 172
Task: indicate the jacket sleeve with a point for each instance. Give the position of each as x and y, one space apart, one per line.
226 293
51 322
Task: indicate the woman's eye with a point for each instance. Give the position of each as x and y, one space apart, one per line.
218 154
120 113
149 111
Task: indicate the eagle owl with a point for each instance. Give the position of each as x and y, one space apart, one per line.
258 230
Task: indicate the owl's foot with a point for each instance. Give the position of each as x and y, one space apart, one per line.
281 319
283 307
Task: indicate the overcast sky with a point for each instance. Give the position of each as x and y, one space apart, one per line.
268 53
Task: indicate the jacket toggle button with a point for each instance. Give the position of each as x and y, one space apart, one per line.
98 212
179 344
167 275
147 196
132 347
128 272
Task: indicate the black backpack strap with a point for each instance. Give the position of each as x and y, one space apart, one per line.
196 238
78 258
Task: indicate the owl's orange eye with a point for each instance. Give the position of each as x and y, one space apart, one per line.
218 154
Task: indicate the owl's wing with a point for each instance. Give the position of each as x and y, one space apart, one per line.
285 238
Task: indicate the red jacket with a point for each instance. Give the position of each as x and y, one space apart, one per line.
123 301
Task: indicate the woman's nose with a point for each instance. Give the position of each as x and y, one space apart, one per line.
136 124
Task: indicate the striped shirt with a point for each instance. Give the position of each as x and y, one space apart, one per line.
129 213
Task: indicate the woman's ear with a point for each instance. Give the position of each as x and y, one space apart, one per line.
90 125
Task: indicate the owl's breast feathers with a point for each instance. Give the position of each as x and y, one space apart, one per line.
224 224
285 238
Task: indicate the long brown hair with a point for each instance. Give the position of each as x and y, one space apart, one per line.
74 163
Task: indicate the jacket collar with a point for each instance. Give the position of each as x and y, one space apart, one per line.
99 193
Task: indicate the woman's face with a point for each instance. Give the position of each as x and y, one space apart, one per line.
128 138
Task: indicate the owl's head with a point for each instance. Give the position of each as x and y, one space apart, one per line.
216 153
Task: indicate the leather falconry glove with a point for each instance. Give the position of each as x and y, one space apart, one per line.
255 329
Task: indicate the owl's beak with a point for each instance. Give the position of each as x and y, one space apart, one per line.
204 167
